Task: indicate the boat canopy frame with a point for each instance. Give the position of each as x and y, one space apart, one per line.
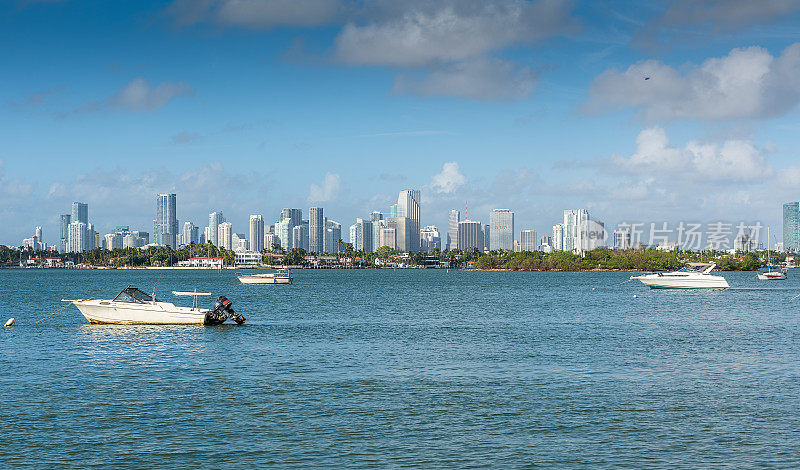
134 295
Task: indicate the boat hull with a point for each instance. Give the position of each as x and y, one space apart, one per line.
264 280
772 276
666 282
112 313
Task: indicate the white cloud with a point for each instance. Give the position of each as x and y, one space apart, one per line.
139 96
732 160
257 13
481 79
449 179
411 34
327 191
725 15
747 83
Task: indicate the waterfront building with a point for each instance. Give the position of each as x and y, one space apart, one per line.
501 222
257 233
569 229
333 233
142 238
65 220
388 237
791 226
528 240
165 227
77 237
239 242
558 237
214 219
80 213
247 257
300 236
402 231
430 239
284 232
225 235
113 241
469 235
517 246
409 206
269 241
487 233
295 214
316 230
452 229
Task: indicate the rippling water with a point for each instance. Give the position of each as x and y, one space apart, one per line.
405 368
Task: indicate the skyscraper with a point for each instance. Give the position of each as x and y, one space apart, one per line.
284 232
408 205
402 232
65 221
316 230
570 229
80 212
452 229
558 237
295 214
225 235
166 224
501 235
429 238
363 235
333 233
214 219
77 237
300 236
469 235
256 233
528 240
191 233
791 226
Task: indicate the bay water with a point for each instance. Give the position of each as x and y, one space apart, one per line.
396 368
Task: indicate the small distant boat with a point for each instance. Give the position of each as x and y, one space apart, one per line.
693 276
771 275
134 306
281 276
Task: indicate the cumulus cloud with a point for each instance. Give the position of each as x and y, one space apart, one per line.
482 79
747 83
327 191
410 34
138 95
449 179
257 13
731 160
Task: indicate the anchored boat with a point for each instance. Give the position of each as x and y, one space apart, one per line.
693 276
134 306
281 276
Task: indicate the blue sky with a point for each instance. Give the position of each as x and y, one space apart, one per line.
247 107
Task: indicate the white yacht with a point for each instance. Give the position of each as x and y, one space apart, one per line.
281 276
134 306
693 276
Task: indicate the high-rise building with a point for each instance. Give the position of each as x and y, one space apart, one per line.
487 234
239 242
225 235
501 230
256 233
214 219
409 206
284 233
452 229
622 239
388 237
469 235
80 213
570 229
791 226
558 237
333 233
402 232
191 233
166 223
77 237
295 214
113 240
300 236
316 230
528 240
363 235
430 239
65 221
269 240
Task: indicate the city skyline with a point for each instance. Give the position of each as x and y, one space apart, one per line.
633 113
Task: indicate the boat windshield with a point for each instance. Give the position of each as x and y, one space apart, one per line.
134 295
688 270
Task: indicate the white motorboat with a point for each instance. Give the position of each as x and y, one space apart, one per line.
281 276
693 276
134 306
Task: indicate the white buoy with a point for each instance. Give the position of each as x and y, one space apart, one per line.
9 322
635 296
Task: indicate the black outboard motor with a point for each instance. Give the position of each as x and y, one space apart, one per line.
223 310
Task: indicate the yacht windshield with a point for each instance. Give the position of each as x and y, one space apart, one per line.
134 295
